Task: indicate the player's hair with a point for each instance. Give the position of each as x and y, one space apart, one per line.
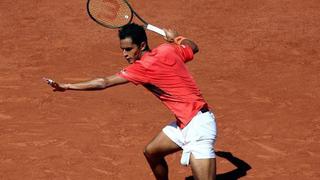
135 32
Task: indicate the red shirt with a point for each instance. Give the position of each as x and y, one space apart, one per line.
163 72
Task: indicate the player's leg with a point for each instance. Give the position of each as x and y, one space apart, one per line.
201 135
203 169
155 152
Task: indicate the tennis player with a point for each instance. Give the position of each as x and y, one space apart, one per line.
162 71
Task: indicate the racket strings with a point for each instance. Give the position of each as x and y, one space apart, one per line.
113 13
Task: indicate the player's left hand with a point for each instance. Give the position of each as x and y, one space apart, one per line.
56 86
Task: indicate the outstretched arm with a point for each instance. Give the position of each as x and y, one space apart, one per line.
173 36
95 84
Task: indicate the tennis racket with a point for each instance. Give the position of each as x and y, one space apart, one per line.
115 14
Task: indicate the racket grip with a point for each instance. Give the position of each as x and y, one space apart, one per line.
156 29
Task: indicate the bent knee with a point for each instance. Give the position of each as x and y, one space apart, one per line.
148 152
152 152
145 152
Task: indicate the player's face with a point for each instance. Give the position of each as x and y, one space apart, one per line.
131 52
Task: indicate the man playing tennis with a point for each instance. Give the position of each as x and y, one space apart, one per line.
163 72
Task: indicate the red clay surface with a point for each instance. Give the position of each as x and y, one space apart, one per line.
258 67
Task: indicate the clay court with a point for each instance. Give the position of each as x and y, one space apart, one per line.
258 68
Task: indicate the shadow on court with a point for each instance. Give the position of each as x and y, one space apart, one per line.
240 171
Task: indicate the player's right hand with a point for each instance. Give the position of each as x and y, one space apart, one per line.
170 35
56 86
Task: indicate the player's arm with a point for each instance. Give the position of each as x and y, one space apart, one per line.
173 36
94 84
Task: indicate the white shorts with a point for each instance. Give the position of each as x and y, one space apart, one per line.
198 137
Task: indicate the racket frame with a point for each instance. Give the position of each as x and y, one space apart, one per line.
133 13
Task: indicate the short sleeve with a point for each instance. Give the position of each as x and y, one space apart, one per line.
186 52
134 73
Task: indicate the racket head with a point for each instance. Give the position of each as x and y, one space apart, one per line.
110 13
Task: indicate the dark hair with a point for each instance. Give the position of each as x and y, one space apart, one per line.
135 32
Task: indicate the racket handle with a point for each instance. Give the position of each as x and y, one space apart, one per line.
156 29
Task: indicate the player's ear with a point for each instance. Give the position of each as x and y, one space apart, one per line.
143 46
